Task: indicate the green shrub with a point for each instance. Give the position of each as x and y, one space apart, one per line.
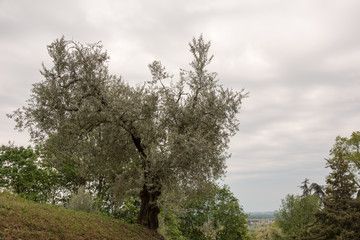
81 201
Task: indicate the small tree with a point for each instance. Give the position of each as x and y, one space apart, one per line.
295 213
22 172
158 137
218 216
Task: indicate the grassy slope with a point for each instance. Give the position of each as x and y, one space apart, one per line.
23 219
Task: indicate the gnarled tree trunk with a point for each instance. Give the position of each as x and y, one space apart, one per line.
149 210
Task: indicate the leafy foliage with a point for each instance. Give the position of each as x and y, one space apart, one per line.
268 232
22 172
127 210
295 213
217 216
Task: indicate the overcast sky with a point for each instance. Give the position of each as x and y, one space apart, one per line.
300 61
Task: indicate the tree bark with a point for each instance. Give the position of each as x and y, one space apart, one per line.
149 210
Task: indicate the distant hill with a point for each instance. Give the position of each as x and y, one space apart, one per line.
24 219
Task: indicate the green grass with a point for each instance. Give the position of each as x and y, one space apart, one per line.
24 219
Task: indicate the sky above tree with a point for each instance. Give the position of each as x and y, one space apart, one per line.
298 59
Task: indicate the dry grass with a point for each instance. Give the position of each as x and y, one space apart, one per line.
23 219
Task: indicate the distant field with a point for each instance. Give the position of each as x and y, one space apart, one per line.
258 220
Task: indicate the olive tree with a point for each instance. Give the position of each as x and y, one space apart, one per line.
163 135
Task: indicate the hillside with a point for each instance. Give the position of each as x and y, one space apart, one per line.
23 219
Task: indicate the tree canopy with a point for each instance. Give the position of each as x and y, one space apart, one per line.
163 135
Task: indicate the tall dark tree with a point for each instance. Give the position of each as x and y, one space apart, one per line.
305 188
161 136
339 219
313 188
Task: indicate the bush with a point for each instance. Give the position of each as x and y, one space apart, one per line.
82 201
